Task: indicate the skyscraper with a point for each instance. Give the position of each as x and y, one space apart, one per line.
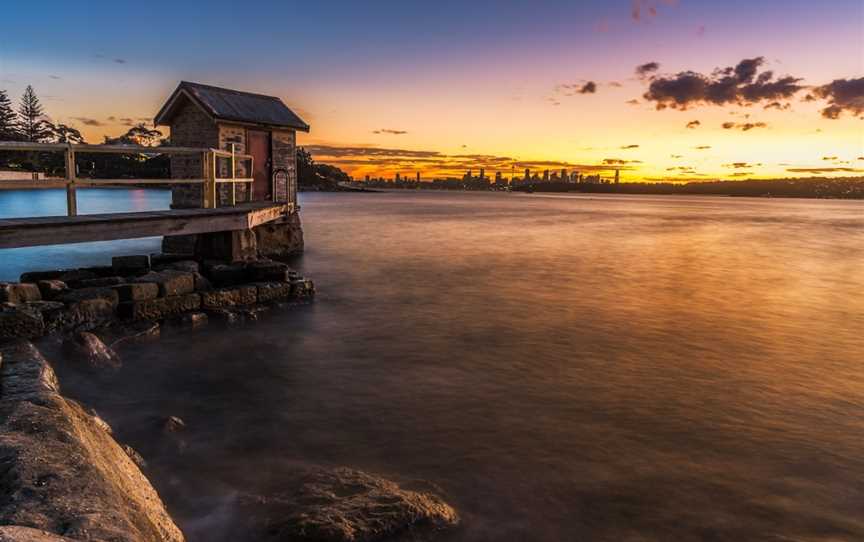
617 175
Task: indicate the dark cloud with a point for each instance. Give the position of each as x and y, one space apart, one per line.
861 157
739 85
120 61
632 102
614 84
628 147
743 126
620 161
778 106
676 156
88 121
741 165
741 174
694 124
702 147
588 88
55 77
818 170
644 9
829 158
644 70
843 96
389 131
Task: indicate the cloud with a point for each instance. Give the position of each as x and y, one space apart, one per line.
588 88
843 96
632 102
741 165
571 89
741 174
702 147
778 106
55 77
614 84
700 31
628 147
818 170
676 156
739 85
743 126
642 9
829 158
389 131
620 161
119 61
88 121
644 70
694 124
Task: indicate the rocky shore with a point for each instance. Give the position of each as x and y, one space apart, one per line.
66 478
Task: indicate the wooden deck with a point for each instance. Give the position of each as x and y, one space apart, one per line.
56 230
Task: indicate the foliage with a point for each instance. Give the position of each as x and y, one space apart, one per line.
33 125
8 119
314 176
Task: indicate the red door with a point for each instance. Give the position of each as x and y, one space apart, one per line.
259 147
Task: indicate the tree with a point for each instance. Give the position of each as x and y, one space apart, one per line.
137 135
60 133
33 125
8 119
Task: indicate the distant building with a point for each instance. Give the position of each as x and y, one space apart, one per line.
617 175
418 176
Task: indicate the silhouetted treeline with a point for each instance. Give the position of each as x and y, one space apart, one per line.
319 177
810 187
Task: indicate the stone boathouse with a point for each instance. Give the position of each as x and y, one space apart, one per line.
253 124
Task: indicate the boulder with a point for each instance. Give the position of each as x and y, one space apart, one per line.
343 505
193 320
52 289
173 424
54 313
201 283
133 454
226 316
132 332
228 274
302 289
131 265
20 322
159 308
137 291
88 294
16 533
229 297
99 282
60 472
189 266
58 274
17 292
273 291
170 282
88 307
266 270
89 350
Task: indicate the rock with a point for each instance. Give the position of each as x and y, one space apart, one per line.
74 275
105 426
88 294
344 505
20 322
302 289
159 308
229 297
265 270
60 472
52 289
201 283
159 260
226 316
54 313
193 320
189 266
280 239
170 282
137 291
16 533
252 313
64 275
173 424
88 349
227 274
133 454
121 334
17 292
131 265
99 282
273 291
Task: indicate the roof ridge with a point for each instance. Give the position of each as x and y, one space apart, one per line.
227 90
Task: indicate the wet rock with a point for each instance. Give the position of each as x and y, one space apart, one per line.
193 320
189 266
160 308
53 313
61 472
88 307
173 424
171 282
302 289
266 270
201 283
137 291
344 505
52 289
280 239
227 274
226 316
158 260
273 291
100 282
88 349
17 533
66 275
133 454
229 297
131 265
105 426
20 322
126 333
252 313
17 292
88 294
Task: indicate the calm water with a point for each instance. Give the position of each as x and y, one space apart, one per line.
561 368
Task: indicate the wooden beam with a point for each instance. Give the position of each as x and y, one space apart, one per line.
24 232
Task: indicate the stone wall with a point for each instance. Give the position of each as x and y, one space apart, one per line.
191 127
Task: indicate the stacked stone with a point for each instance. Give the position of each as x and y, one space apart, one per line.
141 288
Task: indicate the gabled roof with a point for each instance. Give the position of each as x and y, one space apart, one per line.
231 105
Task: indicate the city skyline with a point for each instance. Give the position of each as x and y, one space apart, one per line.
667 90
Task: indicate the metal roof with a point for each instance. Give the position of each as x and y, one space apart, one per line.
233 105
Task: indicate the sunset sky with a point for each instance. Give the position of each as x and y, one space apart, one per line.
446 86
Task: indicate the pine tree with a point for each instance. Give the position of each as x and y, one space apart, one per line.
8 119
33 126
